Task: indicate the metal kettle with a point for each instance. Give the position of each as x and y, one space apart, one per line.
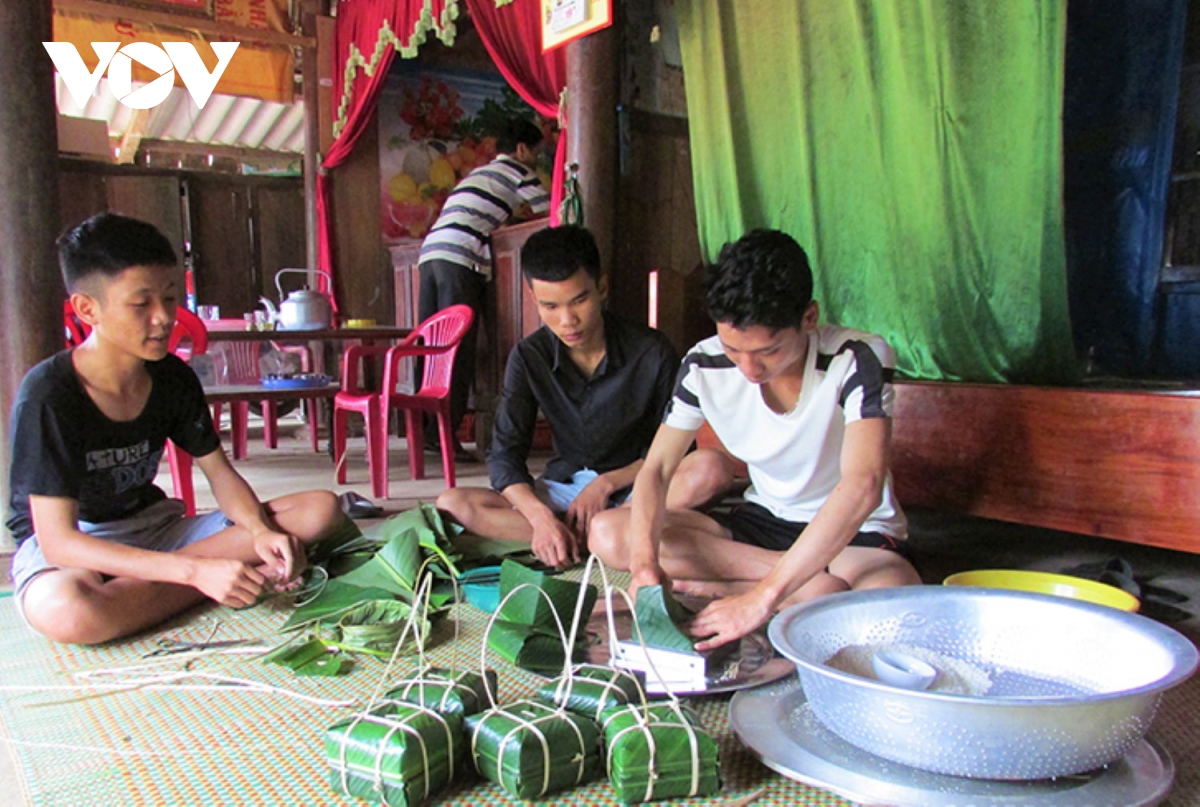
302 310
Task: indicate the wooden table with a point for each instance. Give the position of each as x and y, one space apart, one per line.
235 393
227 393
230 331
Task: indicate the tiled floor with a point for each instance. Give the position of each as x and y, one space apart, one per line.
942 544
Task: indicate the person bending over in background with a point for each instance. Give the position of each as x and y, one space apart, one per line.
808 408
602 383
456 259
102 551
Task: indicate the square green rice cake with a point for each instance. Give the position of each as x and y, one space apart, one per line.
662 752
447 691
531 749
397 753
591 689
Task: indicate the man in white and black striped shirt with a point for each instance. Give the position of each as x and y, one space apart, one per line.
456 256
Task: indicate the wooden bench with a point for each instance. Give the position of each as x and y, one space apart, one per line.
1116 464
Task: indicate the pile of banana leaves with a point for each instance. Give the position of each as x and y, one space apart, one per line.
365 592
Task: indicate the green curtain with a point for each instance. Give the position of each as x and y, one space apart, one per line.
914 148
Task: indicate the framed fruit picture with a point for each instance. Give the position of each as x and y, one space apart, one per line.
435 127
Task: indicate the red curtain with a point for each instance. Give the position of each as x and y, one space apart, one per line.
512 35
360 24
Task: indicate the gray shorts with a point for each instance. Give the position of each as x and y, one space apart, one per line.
161 527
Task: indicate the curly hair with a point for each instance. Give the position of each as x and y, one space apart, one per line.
763 278
107 244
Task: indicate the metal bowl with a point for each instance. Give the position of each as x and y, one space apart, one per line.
1073 685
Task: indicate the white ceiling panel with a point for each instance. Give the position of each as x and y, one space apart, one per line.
226 120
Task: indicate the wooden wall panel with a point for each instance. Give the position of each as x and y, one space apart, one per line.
656 228
81 195
406 283
153 198
363 266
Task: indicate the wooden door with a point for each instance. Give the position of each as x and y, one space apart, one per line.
227 273
279 234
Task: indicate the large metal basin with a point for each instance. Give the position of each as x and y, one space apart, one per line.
1074 685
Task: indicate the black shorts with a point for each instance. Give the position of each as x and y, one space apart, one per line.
754 524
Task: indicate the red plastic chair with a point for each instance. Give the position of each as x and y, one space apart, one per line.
241 361
437 339
311 412
188 328
238 364
75 329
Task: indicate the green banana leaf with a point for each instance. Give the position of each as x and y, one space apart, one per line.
511 752
446 691
346 538
383 531
375 626
313 657
478 550
661 616
531 649
528 607
681 761
592 689
394 567
398 753
334 600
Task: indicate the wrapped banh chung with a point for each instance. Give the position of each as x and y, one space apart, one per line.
447 691
531 749
396 753
590 689
660 752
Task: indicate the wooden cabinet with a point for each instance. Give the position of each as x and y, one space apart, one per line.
511 314
241 229
407 283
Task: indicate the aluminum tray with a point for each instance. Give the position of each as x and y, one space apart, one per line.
777 724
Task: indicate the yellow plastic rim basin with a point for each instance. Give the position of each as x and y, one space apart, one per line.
1062 585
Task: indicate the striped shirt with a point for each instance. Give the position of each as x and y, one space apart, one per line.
485 199
794 457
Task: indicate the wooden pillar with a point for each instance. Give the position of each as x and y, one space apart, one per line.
311 73
31 291
593 79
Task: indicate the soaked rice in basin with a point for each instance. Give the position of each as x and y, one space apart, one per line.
955 676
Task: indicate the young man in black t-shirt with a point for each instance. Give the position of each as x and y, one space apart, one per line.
102 552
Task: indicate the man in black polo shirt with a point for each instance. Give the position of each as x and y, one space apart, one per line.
602 383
